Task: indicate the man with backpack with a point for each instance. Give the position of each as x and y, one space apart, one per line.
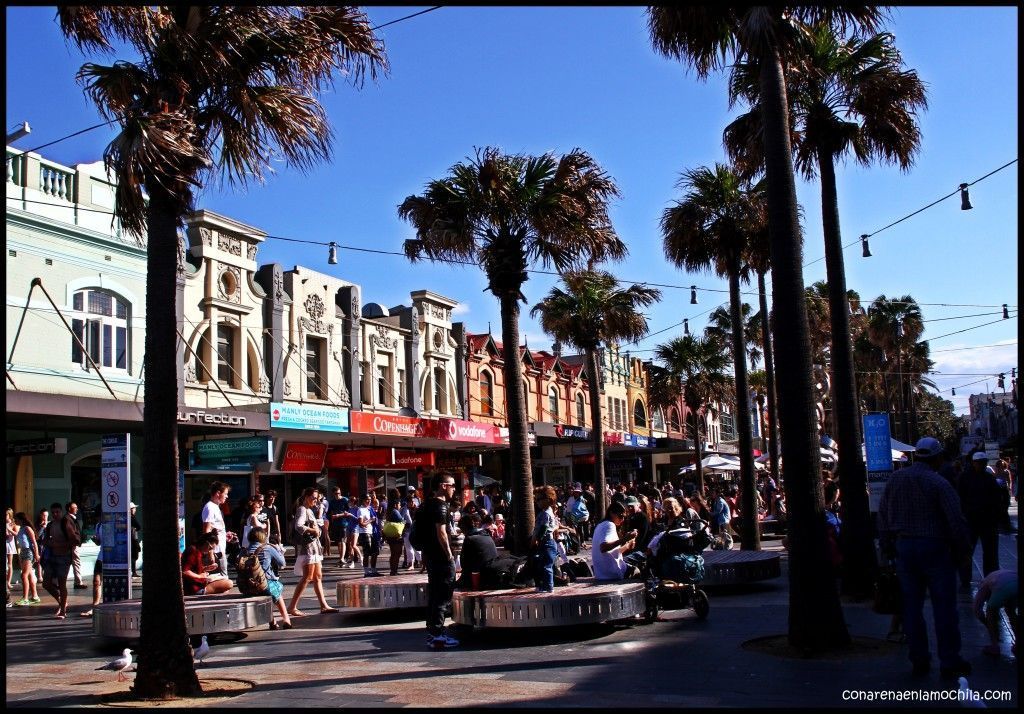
430 535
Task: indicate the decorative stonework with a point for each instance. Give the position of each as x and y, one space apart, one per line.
181 254
250 251
314 305
230 245
190 374
381 339
440 313
343 396
207 235
264 386
287 387
278 286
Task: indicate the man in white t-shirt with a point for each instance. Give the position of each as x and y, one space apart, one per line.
608 548
213 518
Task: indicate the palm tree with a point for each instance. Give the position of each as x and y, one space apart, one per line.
895 325
591 310
704 37
231 84
846 97
508 212
759 259
719 327
759 383
712 227
693 367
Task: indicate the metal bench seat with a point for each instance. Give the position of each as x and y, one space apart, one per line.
204 615
384 591
581 602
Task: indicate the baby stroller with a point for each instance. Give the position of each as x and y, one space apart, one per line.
673 575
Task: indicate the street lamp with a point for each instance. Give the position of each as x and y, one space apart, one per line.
899 374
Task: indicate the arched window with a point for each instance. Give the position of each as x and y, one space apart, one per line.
657 420
102 321
581 412
440 396
639 414
673 420
486 393
553 404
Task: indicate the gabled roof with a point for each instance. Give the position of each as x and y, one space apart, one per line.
480 343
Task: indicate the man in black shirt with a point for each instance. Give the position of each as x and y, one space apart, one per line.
432 518
478 549
270 510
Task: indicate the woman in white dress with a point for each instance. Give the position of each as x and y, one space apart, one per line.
310 554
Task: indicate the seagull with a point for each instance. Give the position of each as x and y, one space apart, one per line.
967 698
119 665
202 651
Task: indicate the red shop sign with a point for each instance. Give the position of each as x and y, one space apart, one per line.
583 459
461 430
303 457
341 459
388 425
410 459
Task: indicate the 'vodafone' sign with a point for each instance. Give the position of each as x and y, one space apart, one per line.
459 430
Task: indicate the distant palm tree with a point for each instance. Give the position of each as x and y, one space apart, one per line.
593 310
705 36
693 367
213 88
895 325
759 383
846 97
719 327
712 228
508 212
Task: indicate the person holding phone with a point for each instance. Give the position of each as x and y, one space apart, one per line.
609 549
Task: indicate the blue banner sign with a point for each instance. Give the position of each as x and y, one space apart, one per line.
877 442
115 522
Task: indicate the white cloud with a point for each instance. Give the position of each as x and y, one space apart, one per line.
461 309
969 370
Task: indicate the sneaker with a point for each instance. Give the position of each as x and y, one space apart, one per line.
442 641
35 600
23 602
83 586
961 669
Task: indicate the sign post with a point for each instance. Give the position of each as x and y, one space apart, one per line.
878 455
115 522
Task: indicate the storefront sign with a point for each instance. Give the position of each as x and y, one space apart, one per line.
218 452
563 431
305 458
232 420
30 447
613 438
638 441
309 417
531 438
877 443
460 430
388 425
410 459
352 458
458 461
114 533
584 459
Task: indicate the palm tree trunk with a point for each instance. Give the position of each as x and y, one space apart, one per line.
856 538
597 434
769 368
815 616
750 539
698 452
165 668
518 439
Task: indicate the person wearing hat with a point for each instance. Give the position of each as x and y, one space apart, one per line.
136 540
981 502
921 526
638 521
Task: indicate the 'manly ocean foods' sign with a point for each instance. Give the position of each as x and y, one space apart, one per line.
252 450
308 417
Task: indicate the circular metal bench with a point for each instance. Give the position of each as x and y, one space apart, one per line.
385 591
204 615
585 601
729 567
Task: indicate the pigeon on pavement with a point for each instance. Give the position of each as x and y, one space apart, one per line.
119 665
202 651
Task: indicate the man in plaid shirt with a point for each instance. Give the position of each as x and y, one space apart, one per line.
920 521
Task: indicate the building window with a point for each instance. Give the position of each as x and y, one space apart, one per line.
383 388
581 414
226 354
639 414
401 386
440 399
314 368
101 321
657 420
486 394
727 424
611 413
673 420
553 404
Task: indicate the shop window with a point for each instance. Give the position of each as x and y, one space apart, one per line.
101 321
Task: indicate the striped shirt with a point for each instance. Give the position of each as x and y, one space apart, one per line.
919 503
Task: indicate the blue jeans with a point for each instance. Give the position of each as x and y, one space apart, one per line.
544 565
440 585
928 563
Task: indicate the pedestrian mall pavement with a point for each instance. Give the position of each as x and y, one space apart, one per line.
380 659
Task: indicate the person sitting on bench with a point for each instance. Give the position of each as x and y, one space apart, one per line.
608 550
478 550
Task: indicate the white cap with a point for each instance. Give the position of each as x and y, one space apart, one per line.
979 456
927 447
132 505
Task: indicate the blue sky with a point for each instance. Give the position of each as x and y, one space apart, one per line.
536 79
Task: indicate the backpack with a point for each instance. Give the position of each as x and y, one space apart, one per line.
252 579
506 571
579 513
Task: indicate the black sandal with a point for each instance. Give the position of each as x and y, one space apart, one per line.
274 626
